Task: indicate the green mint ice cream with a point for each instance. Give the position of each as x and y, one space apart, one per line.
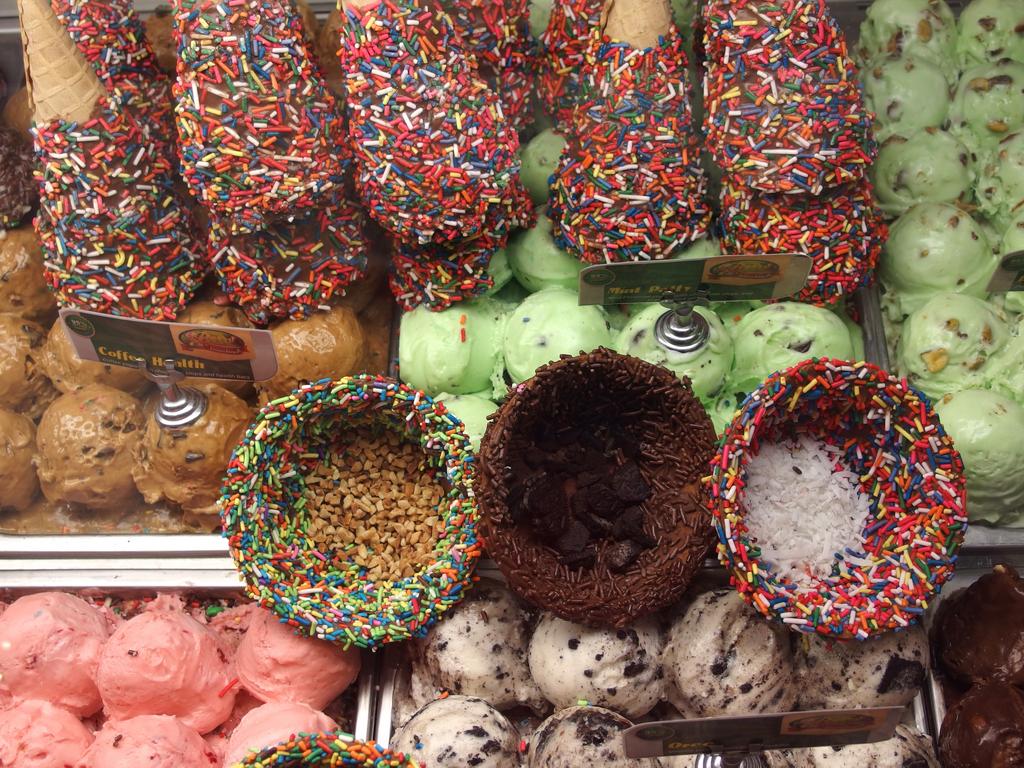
929 166
922 28
707 368
540 13
457 350
934 248
988 431
472 411
946 345
1000 187
988 105
990 30
539 160
499 271
906 94
538 263
779 336
548 324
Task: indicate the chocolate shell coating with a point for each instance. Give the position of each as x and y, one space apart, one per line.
985 729
642 404
978 632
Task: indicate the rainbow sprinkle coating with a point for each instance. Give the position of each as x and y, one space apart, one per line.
784 108
320 750
842 231
262 511
498 34
294 267
629 185
563 55
436 158
260 133
438 276
111 37
114 237
891 437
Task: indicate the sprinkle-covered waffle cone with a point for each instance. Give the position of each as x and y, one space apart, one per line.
62 84
637 22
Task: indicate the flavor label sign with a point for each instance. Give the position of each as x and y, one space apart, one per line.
1009 275
717 278
756 733
200 351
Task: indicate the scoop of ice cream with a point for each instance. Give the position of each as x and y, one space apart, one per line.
580 736
36 734
985 729
1004 372
456 350
23 290
84 447
326 345
618 669
1000 187
480 649
539 160
926 166
979 631
68 372
989 30
163 662
906 93
537 262
723 658
17 112
276 664
946 343
211 313
271 724
925 29
988 431
153 741
908 748
887 671
707 368
459 731
988 104
731 312
548 324
499 271
185 465
779 336
472 411
24 387
934 248
160 34
50 645
17 475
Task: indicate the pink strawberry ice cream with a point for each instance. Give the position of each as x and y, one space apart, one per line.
275 664
149 741
273 723
50 645
36 734
164 662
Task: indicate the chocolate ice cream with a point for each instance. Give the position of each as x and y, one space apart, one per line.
985 729
978 632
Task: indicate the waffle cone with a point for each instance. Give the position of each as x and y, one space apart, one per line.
637 22
61 83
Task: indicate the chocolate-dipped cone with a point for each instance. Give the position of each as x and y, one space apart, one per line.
114 238
629 185
259 132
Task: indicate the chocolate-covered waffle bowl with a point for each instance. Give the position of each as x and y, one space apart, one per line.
589 488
